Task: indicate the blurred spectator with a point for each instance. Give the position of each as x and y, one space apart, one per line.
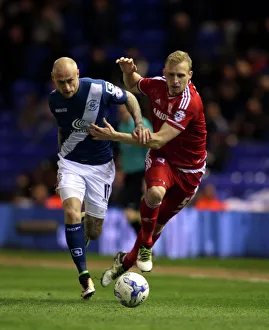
22 191
101 22
207 199
24 12
140 61
264 35
258 60
209 40
180 33
38 188
217 138
13 59
54 202
248 36
230 28
253 123
40 197
48 25
228 100
245 79
142 67
47 42
262 91
99 65
39 194
35 119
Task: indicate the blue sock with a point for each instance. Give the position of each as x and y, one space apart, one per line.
75 240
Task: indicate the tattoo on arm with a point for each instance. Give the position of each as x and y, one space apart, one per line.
133 107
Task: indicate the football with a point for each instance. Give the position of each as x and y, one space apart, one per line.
131 289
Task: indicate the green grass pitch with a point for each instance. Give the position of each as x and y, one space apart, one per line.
47 298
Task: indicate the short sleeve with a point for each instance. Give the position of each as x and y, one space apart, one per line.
144 85
113 94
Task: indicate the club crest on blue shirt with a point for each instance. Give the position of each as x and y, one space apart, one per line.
92 105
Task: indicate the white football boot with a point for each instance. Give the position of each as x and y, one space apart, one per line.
144 259
114 271
87 286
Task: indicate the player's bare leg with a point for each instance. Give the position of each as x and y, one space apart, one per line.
92 228
87 240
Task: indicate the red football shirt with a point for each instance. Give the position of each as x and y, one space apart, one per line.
184 112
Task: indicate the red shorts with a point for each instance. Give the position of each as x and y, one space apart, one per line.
180 186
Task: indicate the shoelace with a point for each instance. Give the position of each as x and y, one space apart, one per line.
119 272
145 254
97 278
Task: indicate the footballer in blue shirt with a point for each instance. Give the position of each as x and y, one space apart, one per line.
86 168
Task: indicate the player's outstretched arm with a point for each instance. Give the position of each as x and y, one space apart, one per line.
159 139
140 132
130 76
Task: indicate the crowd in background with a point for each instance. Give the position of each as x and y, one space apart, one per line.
230 63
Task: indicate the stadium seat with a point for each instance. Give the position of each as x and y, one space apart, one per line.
155 68
130 37
5 117
37 54
153 36
128 18
19 91
81 55
113 53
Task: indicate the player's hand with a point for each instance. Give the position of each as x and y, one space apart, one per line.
126 64
102 133
142 134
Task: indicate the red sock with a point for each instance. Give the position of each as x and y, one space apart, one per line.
130 258
145 235
156 237
149 214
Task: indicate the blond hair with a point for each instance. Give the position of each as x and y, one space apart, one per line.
179 56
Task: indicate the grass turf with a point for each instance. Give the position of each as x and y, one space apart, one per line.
48 299
250 264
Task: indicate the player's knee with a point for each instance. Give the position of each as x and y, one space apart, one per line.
93 227
72 216
155 194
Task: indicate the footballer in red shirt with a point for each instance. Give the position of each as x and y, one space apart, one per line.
176 159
